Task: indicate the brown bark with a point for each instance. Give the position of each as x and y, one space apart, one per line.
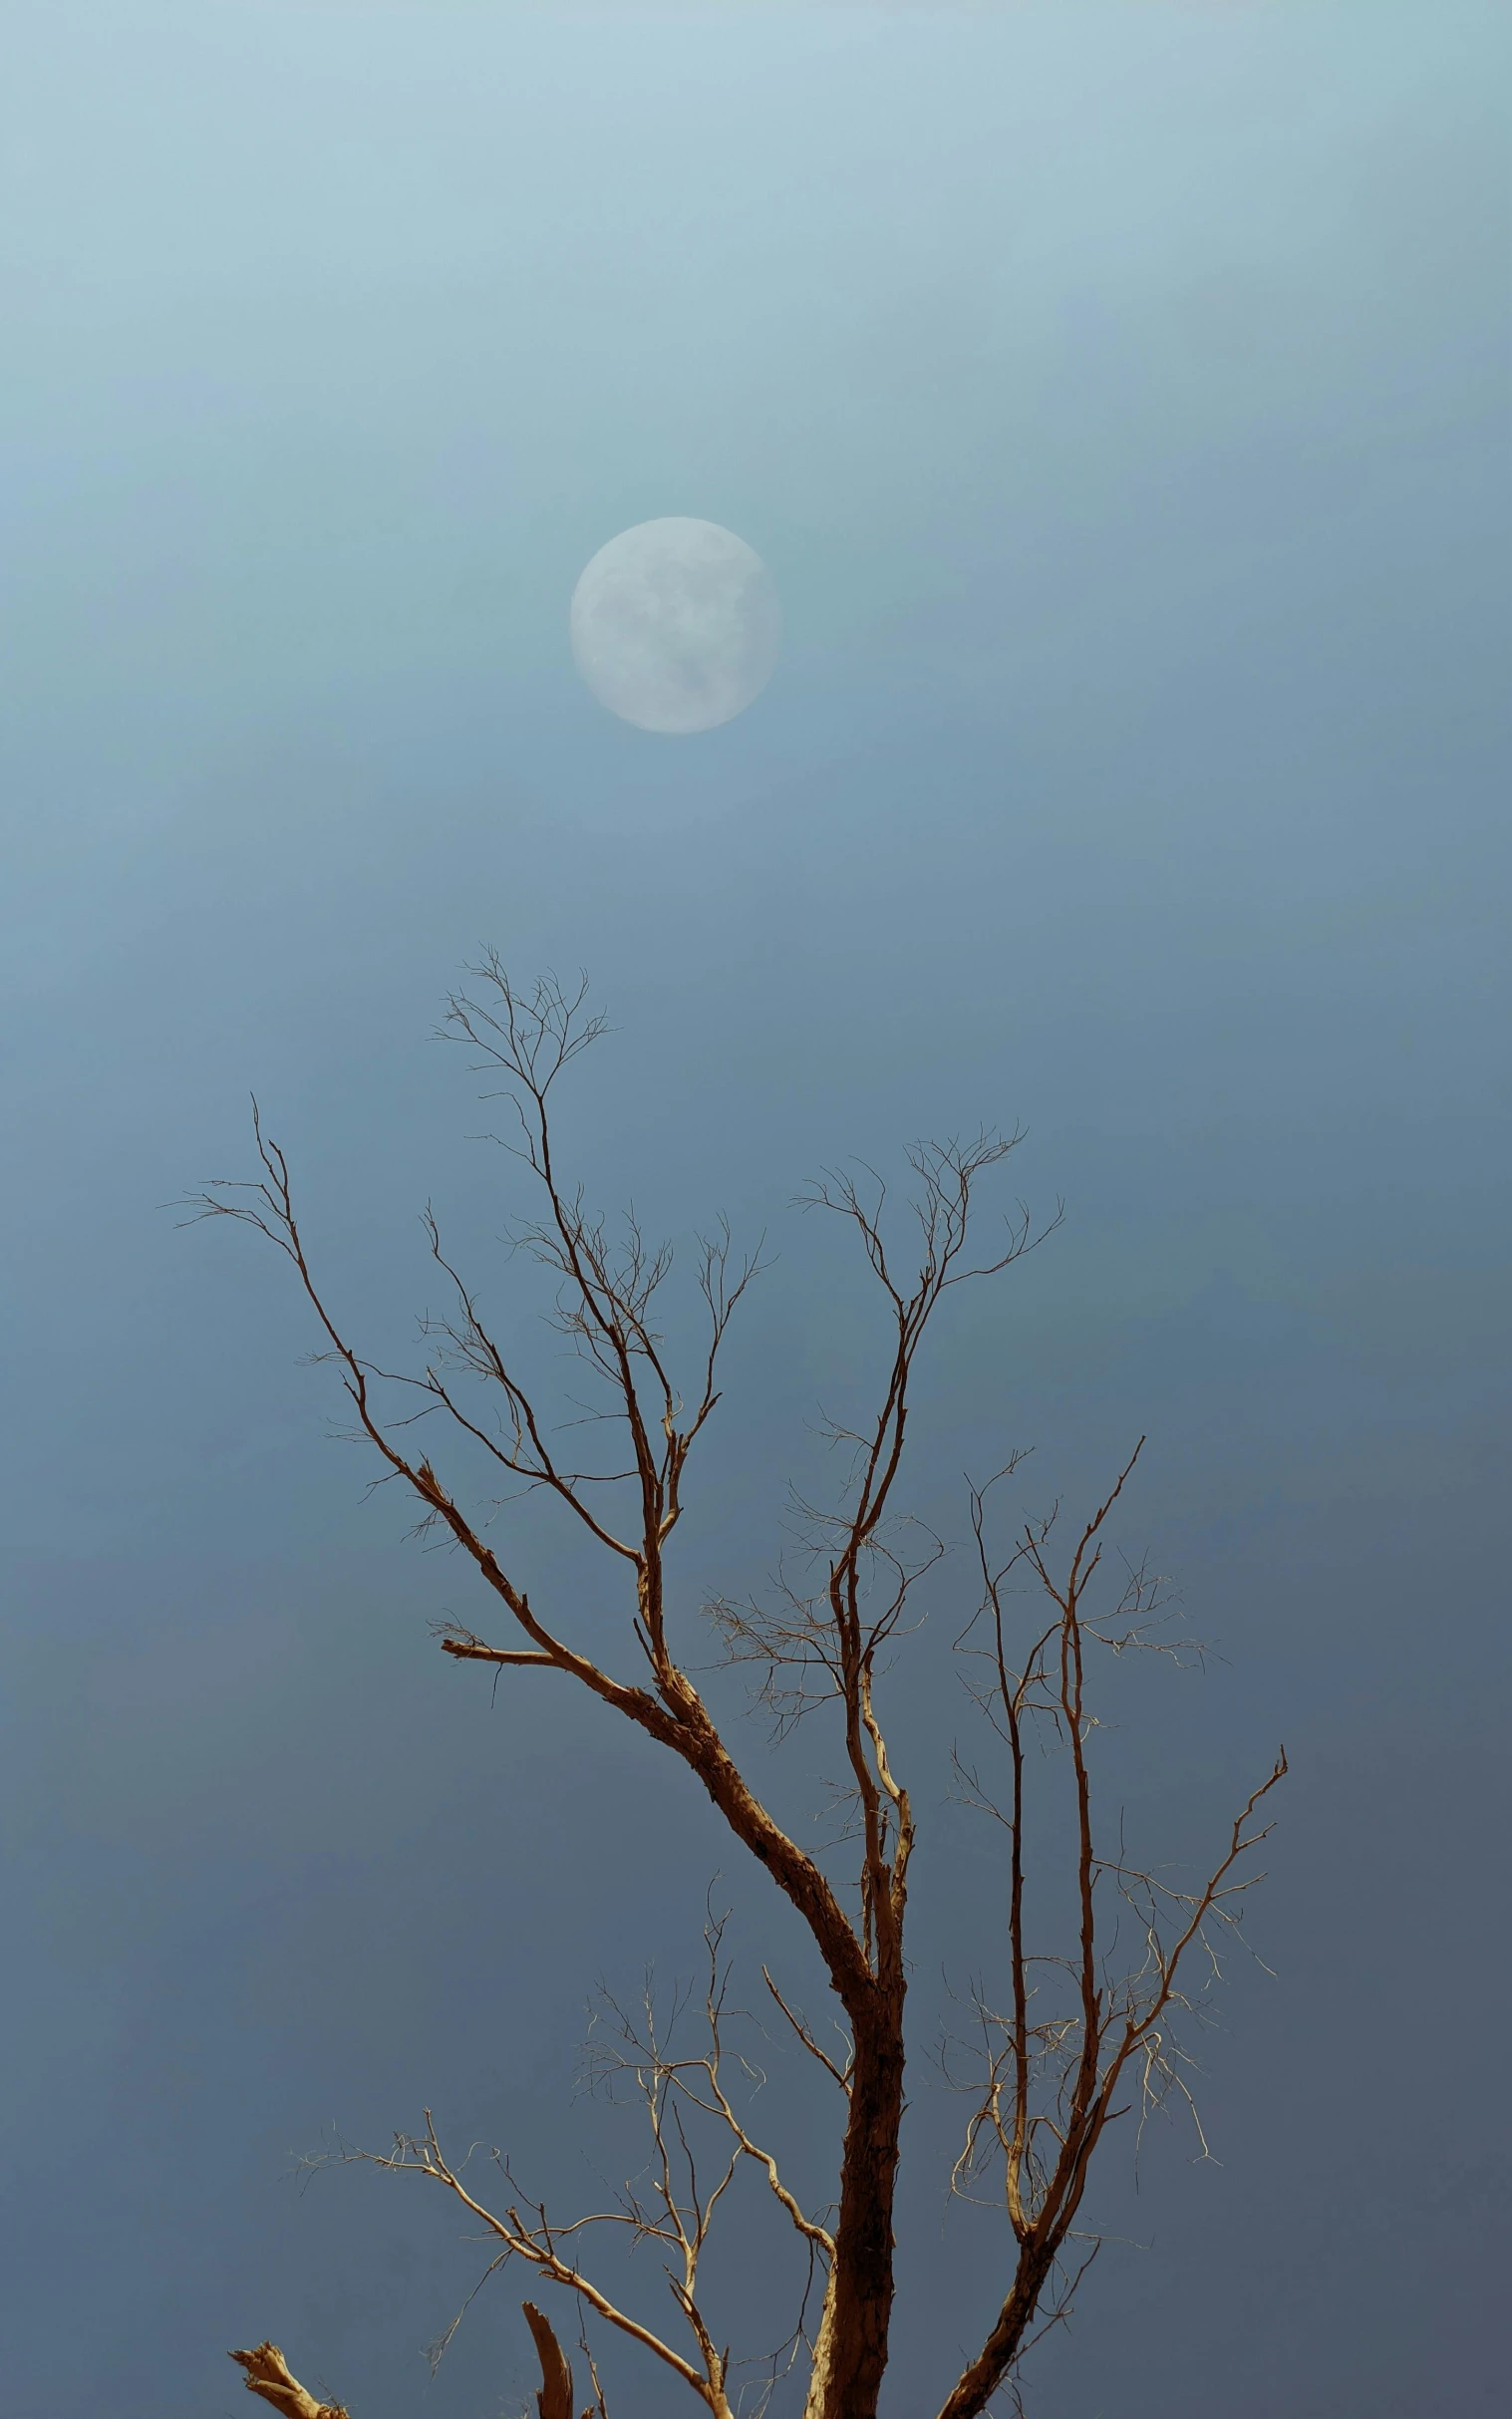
976 2386
861 2312
554 2402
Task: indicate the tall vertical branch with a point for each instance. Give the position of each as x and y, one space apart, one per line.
1118 2023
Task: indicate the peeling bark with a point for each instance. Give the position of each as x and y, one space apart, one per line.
823 2355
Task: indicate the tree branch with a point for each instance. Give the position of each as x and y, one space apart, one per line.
268 2375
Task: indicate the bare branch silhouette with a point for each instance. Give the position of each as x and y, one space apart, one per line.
1073 2039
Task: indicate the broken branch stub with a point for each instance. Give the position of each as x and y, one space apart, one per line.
554 2402
267 2374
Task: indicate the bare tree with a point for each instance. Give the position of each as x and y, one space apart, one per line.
1071 2039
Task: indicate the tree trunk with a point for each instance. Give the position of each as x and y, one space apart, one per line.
859 2303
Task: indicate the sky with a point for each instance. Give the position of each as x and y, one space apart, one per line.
1117 394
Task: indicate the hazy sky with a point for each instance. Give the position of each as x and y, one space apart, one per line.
1118 396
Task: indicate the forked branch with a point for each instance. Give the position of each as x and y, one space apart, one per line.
1054 2070
269 2376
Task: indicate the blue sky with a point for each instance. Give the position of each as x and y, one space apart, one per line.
1118 395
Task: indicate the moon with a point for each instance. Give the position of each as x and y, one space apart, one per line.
676 625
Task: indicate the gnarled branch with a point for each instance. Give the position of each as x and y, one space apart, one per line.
268 2374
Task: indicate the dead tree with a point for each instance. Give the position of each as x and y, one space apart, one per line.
1075 2038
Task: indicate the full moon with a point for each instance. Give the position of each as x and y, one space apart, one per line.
676 625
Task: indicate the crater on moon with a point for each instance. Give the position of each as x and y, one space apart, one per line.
676 625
